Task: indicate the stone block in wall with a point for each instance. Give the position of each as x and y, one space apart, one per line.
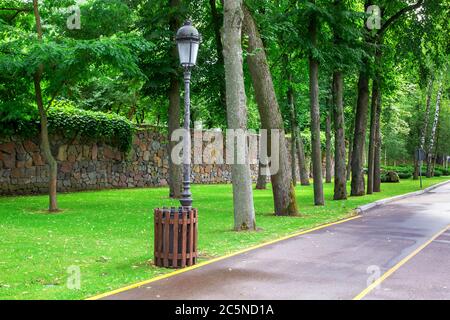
37 159
8 147
146 156
30 146
108 153
94 152
9 160
18 173
73 153
62 153
66 167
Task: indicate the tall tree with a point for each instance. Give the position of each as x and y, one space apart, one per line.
304 176
294 128
244 212
45 142
433 131
340 178
328 173
283 190
373 39
316 148
373 128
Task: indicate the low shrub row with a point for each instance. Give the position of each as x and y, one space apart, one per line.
407 171
70 122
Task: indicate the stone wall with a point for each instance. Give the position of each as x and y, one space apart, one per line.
89 166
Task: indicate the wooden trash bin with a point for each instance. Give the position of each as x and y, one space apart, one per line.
175 237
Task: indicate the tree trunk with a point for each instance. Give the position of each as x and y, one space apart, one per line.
350 152
244 212
328 173
45 142
433 131
283 190
316 152
373 127
423 138
377 154
359 137
175 171
340 179
216 26
294 129
304 176
261 182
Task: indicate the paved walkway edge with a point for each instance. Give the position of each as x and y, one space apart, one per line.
364 208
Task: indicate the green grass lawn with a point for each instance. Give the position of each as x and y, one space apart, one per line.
109 234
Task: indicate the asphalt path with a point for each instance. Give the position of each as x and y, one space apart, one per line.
397 251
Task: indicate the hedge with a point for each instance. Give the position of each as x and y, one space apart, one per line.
70 122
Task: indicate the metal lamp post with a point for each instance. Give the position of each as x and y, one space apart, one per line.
175 229
188 41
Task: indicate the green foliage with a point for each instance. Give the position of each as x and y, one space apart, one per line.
115 130
438 173
70 122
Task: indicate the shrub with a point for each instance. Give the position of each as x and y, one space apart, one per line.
437 173
70 122
404 175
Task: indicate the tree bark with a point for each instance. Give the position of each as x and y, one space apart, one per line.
294 129
340 178
175 171
359 137
261 182
244 212
423 137
328 173
45 141
373 126
216 26
283 190
316 152
433 131
350 151
304 176
377 153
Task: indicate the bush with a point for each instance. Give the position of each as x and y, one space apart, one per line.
70 122
404 175
437 173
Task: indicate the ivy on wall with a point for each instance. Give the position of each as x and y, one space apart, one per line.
70 122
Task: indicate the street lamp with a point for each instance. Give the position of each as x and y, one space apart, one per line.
188 41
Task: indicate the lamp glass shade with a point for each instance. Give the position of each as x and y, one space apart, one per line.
187 51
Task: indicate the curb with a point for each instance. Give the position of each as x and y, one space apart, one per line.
364 208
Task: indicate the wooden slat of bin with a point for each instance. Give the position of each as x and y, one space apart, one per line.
160 233
155 244
195 234
191 236
183 241
175 240
166 239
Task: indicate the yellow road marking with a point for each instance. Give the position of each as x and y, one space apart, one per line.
174 273
388 273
